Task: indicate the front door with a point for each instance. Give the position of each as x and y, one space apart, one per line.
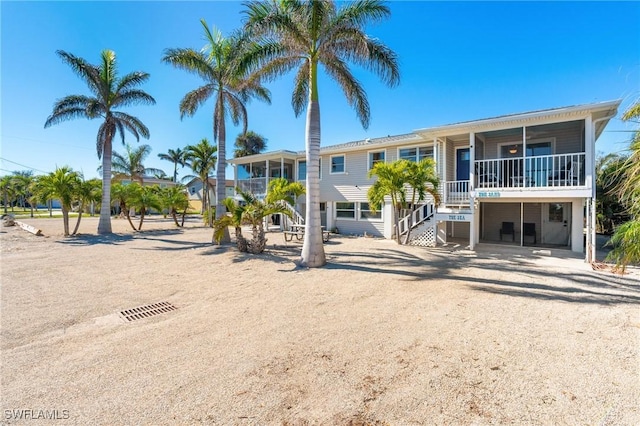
462 164
556 223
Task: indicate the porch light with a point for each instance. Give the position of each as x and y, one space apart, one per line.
513 149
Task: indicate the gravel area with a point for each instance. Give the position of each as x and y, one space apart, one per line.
384 334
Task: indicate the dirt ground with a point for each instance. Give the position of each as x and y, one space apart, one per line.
384 334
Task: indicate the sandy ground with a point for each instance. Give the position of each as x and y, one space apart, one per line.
384 334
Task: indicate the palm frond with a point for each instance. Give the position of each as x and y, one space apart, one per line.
352 89
194 99
66 115
133 97
300 89
191 61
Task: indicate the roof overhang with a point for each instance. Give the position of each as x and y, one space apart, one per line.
600 113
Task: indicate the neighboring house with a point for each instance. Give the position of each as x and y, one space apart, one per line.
196 190
521 179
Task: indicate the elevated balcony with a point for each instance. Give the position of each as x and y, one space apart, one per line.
495 177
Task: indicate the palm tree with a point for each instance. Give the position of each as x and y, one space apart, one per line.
391 180
146 198
609 176
201 158
175 198
130 165
108 92
7 190
300 35
176 157
61 184
251 212
21 183
249 143
626 239
87 191
125 195
218 64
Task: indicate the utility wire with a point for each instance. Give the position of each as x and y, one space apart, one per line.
22 165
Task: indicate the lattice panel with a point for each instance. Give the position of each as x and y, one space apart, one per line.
426 239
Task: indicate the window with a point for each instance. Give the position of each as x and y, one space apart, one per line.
367 214
416 153
302 169
192 190
346 210
375 157
337 164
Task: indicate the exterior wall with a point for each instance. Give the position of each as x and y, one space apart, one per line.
493 214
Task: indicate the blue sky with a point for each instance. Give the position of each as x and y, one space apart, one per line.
459 61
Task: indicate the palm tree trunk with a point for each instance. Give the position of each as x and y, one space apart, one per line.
75 229
65 220
312 248
104 223
221 179
142 212
175 217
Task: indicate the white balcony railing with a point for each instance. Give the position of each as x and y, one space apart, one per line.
542 171
456 192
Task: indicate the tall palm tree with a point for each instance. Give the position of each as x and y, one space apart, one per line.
218 64
249 143
201 158
130 165
176 157
301 35
61 184
108 92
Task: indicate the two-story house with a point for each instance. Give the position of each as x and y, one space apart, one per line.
520 179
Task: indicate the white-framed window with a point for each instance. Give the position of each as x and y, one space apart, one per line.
415 153
302 169
345 210
376 157
367 214
338 164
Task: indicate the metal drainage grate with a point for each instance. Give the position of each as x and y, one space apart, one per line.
147 311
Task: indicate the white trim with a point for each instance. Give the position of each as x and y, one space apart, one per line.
383 150
355 211
417 148
455 160
344 164
364 219
551 140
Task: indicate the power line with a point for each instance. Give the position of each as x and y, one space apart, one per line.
22 165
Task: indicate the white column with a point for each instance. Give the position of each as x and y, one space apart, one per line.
524 157
577 219
331 221
589 154
472 160
441 235
387 214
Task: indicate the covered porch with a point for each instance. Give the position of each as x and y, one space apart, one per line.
253 175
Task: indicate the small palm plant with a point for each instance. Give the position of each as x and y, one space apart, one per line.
251 211
175 199
146 198
124 196
61 184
